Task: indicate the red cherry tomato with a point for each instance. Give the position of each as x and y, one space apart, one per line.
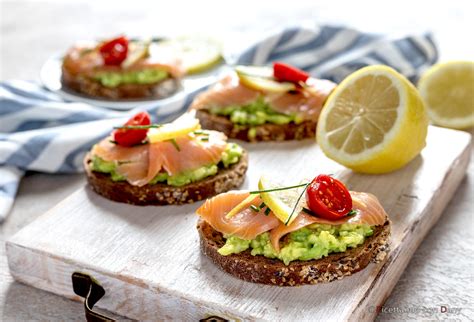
131 137
114 51
286 73
328 198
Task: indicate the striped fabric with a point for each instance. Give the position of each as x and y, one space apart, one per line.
39 131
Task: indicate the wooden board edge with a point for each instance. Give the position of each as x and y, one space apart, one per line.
368 308
117 290
354 312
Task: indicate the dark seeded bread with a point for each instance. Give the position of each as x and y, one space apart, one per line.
259 269
264 132
95 89
163 194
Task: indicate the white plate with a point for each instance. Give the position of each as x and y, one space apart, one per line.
50 76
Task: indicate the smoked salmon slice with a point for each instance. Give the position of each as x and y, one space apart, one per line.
246 224
307 103
87 60
140 164
187 153
227 92
368 209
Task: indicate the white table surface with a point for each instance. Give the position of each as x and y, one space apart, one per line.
440 272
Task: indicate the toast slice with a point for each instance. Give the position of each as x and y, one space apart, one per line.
264 132
260 269
163 194
95 89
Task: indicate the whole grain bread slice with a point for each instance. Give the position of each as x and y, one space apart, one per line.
264 132
162 194
260 269
89 87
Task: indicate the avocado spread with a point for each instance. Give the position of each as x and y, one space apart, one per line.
145 76
256 113
230 156
308 243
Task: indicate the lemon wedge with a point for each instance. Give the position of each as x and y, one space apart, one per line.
181 126
448 92
196 53
254 71
374 121
136 51
261 79
242 205
285 204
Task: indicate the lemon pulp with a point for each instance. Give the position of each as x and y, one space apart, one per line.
374 122
448 92
196 53
181 126
285 204
261 79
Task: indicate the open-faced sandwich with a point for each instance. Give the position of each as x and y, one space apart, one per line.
121 69
264 104
276 236
158 164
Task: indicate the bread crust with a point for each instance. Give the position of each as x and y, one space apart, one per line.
87 86
259 269
264 132
163 194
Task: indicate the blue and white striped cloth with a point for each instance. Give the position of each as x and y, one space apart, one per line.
40 131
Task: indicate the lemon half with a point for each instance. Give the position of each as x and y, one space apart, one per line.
448 92
374 121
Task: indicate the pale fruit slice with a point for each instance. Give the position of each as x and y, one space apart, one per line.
285 204
254 71
261 79
448 92
181 126
373 122
242 205
136 51
197 54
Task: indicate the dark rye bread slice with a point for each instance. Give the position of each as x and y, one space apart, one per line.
163 194
264 132
90 87
259 269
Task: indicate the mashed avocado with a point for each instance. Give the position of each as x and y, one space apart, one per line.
146 76
230 156
186 177
308 243
100 165
257 113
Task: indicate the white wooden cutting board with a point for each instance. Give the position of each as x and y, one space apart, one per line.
148 258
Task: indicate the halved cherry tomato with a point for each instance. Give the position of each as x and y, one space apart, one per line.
131 137
286 73
328 198
114 51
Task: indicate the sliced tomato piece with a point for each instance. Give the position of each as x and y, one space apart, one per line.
114 51
286 73
328 198
131 137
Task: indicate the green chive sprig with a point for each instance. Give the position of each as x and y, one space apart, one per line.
175 144
138 127
297 202
280 189
254 208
